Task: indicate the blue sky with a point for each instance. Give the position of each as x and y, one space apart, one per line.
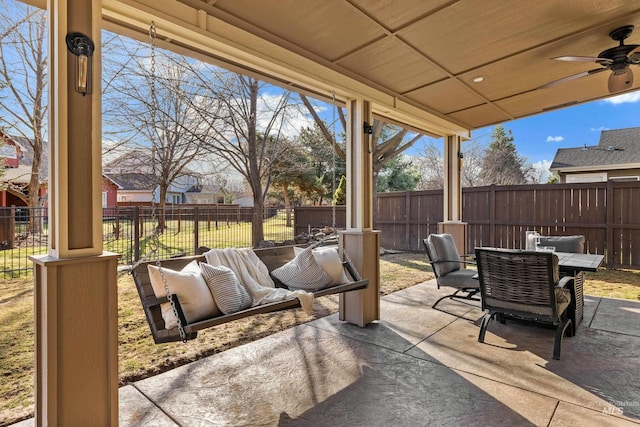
538 137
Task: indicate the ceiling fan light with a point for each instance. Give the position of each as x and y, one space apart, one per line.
619 82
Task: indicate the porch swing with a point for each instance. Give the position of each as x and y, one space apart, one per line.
272 259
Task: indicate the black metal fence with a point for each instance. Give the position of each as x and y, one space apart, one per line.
130 230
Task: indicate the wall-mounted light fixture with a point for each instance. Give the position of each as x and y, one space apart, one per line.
82 48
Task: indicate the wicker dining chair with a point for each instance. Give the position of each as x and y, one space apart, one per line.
524 285
446 264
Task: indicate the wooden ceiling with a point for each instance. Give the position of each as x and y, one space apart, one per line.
419 56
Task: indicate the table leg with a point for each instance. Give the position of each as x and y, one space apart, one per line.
578 286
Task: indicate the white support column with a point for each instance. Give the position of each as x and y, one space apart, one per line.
360 242
452 223
76 310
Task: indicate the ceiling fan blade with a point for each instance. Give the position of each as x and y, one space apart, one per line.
572 77
604 61
618 82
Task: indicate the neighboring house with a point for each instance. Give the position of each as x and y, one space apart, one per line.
616 157
133 161
243 201
127 171
133 187
16 159
10 150
201 194
109 193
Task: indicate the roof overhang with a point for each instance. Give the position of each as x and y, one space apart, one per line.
417 62
595 168
190 30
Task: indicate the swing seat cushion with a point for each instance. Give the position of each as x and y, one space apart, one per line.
191 289
303 273
329 260
229 295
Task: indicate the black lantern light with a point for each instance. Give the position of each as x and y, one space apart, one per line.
82 47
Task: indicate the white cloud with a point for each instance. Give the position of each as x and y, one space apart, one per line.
600 129
555 138
290 125
624 98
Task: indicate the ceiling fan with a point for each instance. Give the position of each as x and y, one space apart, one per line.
617 59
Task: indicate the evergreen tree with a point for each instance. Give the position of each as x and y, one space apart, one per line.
340 196
502 164
398 174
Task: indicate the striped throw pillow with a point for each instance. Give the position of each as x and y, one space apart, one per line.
230 296
329 260
303 272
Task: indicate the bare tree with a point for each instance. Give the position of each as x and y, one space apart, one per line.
23 71
388 140
473 152
246 129
431 165
151 100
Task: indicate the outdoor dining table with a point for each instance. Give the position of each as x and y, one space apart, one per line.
576 264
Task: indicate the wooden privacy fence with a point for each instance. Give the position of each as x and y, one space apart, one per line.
606 213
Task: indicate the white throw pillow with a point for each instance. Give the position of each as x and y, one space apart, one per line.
329 260
229 294
302 272
192 291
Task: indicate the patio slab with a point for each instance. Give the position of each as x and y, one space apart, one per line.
407 318
596 367
309 376
137 410
617 315
417 366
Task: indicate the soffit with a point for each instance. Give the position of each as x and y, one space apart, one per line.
419 57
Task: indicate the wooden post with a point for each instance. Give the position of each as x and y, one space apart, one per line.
359 241
452 215
76 315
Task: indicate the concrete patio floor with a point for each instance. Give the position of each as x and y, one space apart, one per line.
417 366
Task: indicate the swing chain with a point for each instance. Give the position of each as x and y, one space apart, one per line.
154 242
333 165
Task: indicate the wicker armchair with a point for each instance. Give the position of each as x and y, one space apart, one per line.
446 262
524 285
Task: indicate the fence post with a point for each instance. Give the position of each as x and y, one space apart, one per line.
196 240
117 223
7 226
492 216
136 233
179 218
407 219
610 212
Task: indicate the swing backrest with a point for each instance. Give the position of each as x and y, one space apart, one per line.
273 258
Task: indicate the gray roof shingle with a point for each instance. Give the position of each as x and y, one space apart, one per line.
133 181
616 147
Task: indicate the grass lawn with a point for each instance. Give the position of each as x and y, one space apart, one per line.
139 357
